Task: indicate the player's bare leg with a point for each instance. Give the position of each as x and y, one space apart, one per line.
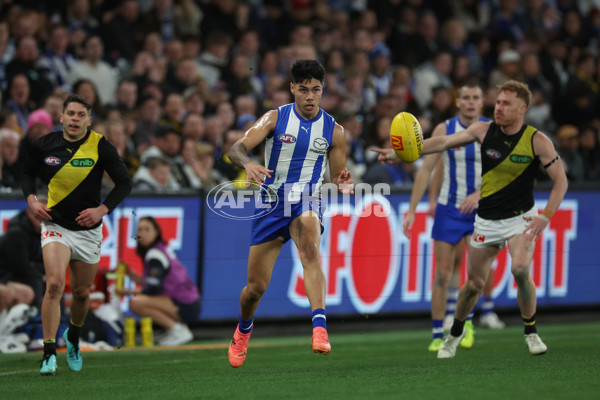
444 264
305 230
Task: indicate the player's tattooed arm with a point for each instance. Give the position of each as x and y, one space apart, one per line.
238 154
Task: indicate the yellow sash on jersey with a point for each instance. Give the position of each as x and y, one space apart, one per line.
511 167
74 171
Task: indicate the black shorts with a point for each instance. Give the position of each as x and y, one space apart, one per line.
188 312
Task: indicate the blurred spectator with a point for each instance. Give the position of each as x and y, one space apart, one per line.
193 127
123 33
248 44
25 62
432 74
226 114
18 99
473 15
115 133
425 43
9 153
167 147
174 111
508 68
239 79
194 101
381 73
244 122
8 119
187 18
126 96
590 151
160 18
214 59
567 137
577 106
53 106
155 176
441 107
554 67
87 89
507 22
7 52
57 62
245 105
185 75
79 17
92 68
21 255
38 125
147 124
194 169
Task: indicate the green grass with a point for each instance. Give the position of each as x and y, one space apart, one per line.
384 365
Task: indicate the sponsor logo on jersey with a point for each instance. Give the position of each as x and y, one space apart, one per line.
491 153
52 160
286 138
319 146
520 159
82 162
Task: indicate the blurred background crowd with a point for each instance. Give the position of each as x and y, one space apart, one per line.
174 83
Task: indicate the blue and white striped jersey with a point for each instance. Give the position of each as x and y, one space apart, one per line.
462 168
297 153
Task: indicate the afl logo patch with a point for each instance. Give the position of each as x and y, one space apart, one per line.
287 138
491 153
52 160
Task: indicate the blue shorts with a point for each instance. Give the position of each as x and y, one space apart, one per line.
277 222
189 313
450 226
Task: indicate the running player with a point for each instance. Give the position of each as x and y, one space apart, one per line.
72 163
300 139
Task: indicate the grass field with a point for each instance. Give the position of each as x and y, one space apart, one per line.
384 365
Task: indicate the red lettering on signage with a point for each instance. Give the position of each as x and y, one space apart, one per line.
562 223
371 254
411 286
337 255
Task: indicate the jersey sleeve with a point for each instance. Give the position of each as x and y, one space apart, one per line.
116 169
33 163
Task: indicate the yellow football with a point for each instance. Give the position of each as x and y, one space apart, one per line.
407 137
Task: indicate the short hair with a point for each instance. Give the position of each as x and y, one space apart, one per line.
470 82
75 98
519 88
305 70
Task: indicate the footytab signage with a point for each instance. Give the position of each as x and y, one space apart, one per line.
372 267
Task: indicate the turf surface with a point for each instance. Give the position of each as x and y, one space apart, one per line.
369 365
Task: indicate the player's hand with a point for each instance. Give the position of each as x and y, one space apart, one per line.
344 182
40 211
407 224
432 208
91 216
256 172
385 155
469 204
122 292
535 228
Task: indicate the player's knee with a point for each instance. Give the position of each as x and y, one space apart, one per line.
25 295
442 278
520 273
7 297
309 253
475 285
54 287
254 292
135 306
81 292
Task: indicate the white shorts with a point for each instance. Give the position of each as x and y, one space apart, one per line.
489 232
84 245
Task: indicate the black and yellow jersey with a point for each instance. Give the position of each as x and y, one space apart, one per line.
73 172
508 167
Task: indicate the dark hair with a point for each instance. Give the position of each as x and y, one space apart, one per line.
74 98
141 250
305 70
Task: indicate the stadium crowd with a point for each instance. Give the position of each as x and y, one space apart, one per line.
174 83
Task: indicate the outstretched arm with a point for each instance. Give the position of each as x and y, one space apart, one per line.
238 154
475 132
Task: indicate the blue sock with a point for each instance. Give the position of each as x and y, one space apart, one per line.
487 306
319 318
438 328
246 326
470 316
